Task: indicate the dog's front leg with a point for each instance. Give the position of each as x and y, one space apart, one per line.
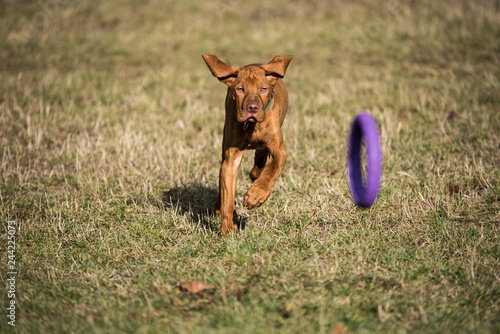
230 166
261 189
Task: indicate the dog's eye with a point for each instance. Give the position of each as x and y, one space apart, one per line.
263 89
240 89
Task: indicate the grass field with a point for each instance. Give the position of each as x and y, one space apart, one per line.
110 139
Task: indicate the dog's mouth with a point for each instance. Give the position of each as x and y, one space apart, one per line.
249 118
249 121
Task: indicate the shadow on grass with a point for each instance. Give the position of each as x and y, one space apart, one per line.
198 201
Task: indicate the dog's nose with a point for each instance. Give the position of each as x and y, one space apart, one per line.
253 107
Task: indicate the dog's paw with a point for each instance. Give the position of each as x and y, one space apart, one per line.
228 228
255 197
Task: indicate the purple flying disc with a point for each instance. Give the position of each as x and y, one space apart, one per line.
364 193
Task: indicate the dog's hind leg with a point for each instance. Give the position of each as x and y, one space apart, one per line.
260 161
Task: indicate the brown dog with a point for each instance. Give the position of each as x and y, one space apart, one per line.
256 105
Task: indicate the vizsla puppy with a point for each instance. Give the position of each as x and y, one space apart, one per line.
256 105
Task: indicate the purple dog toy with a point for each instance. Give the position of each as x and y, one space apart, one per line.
365 193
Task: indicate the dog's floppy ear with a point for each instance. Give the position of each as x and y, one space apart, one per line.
277 67
225 73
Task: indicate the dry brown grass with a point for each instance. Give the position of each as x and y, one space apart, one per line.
110 136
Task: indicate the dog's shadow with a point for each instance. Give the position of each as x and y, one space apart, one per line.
197 201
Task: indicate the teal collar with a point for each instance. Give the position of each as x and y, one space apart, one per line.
269 105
